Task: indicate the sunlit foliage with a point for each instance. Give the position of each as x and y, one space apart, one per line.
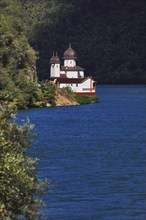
19 187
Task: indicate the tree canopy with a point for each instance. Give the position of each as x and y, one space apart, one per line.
108 36
18 73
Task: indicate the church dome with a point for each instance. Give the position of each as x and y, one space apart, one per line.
57 59
54 59
70 54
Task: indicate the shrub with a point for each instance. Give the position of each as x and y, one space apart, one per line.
18 181
85 99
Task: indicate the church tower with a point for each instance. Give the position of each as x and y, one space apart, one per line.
55 66
70 57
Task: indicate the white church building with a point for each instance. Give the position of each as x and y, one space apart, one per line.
71 75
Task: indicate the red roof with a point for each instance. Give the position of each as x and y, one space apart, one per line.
71 80
71 68
68 80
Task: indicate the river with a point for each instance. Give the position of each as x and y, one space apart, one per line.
94 156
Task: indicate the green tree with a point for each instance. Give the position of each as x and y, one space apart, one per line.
19 186
18 76
48 89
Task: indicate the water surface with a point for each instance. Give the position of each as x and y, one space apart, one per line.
94 156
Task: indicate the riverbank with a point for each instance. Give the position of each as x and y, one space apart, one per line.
65 97
62 98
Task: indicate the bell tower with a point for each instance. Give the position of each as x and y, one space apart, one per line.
55 66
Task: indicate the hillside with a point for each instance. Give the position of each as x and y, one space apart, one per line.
108 36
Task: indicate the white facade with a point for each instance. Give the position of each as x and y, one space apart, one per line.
70 74
55 70
81 73
70 63
86 86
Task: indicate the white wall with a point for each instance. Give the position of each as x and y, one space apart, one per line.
87 86
52 70
70 63
79 87
62 72
55 70
81 74
72 74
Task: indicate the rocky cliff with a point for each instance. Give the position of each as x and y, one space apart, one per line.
63 99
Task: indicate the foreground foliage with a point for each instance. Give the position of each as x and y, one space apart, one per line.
18 181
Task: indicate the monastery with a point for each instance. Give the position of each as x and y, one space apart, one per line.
70 74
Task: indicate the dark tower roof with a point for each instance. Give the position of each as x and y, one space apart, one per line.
54 59
69 54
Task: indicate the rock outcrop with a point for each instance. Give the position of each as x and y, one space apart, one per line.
64 99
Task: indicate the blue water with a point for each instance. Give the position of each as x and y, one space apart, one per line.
94 156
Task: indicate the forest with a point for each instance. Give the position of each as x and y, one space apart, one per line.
109 39
108 36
